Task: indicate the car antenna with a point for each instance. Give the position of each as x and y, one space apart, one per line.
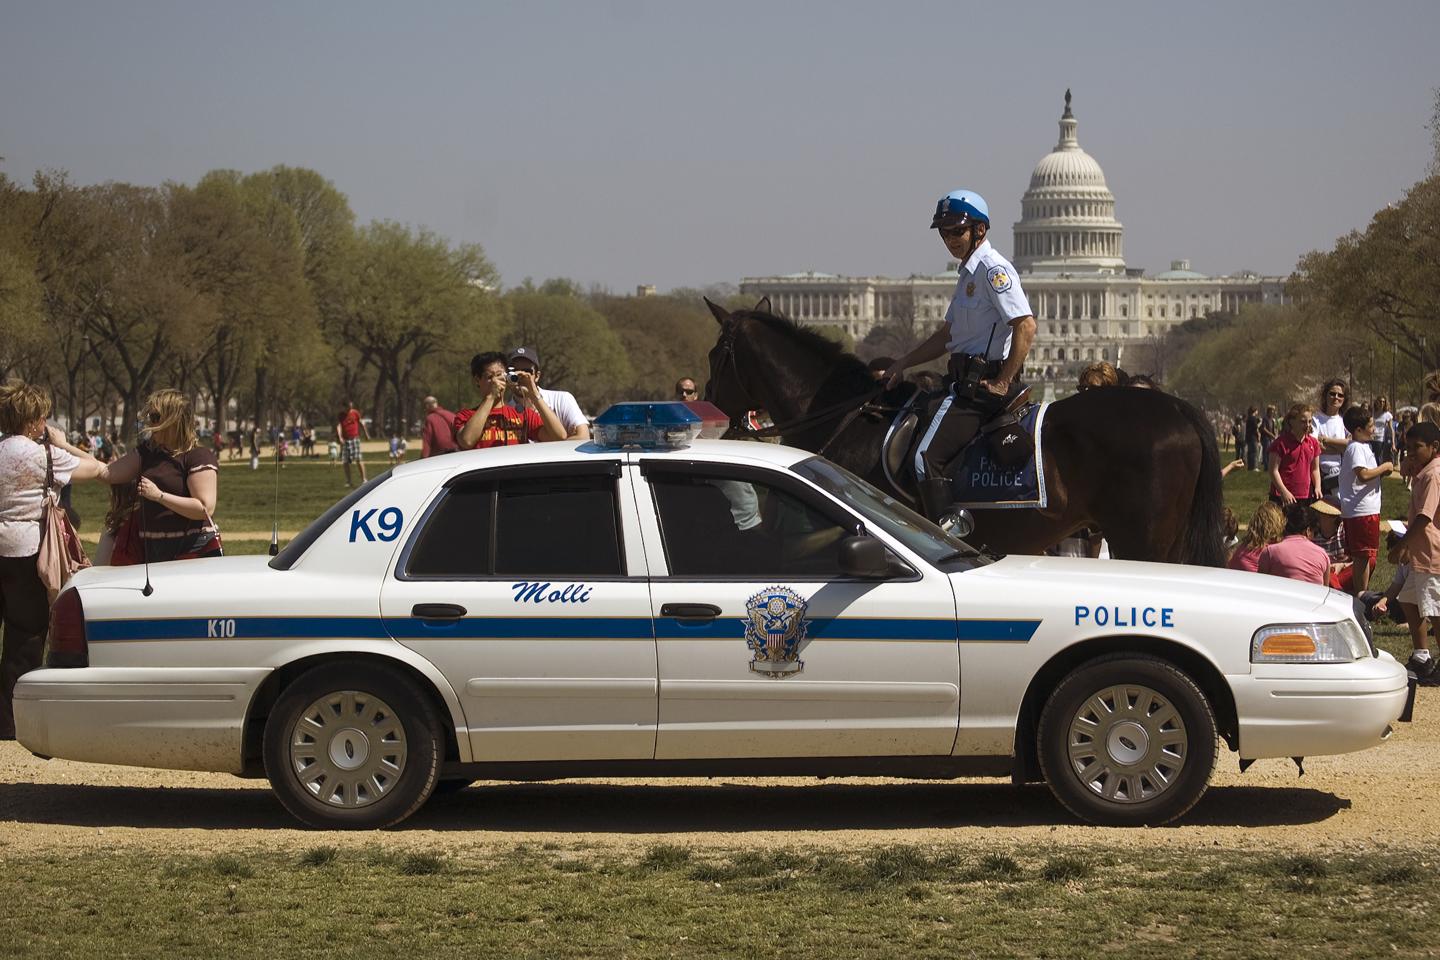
144 545
275 519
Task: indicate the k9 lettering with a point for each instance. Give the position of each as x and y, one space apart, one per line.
1126 616
389 522
536 592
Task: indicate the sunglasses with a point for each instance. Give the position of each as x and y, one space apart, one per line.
153 416
687 391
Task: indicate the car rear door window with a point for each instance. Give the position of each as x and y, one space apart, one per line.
557 527
530 526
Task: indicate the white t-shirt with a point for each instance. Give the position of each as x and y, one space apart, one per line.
22 491
1358 498
566 408
1334 428
1382 426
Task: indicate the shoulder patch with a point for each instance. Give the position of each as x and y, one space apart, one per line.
999 277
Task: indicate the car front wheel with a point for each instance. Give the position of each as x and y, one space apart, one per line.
353 747
1127 740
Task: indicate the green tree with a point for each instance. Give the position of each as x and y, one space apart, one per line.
1386 278
666 338
409 295
579 350
21 327
242 251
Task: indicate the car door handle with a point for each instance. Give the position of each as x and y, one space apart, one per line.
690 611
438 611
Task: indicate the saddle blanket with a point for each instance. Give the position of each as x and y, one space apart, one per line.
982 484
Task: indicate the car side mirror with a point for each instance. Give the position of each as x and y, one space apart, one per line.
867 558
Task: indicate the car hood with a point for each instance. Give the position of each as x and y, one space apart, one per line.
1170 583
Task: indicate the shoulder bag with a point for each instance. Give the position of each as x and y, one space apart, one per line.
61 553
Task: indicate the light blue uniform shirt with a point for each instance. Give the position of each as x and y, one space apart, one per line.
986 299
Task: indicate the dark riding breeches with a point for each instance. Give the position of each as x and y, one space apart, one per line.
955 425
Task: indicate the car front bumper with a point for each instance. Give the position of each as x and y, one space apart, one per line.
190 719
1309 710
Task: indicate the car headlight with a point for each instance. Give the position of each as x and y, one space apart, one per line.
1342 642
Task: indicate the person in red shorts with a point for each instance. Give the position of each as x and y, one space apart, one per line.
1295 460
348 428
497 423
1359 493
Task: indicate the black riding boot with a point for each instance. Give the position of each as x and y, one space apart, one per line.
935 496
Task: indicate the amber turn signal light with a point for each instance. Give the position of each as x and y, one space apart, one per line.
1288 645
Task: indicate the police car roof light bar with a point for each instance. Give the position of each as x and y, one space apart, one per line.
665 425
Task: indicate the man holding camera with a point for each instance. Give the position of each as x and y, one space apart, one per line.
987 331
566 407
496 423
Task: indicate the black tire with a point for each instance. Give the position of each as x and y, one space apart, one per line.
450 787
370 747
1152 732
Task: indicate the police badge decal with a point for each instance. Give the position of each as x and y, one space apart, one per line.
774 630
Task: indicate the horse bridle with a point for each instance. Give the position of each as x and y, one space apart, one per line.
848 410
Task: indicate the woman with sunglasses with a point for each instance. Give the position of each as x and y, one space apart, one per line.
1330 431
175 479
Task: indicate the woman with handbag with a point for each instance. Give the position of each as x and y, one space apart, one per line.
174 478
35 461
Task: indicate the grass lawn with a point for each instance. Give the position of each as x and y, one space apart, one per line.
671 901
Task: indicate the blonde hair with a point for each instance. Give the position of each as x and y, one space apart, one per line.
21 405
170 421
1102 374
1266 527
1301 410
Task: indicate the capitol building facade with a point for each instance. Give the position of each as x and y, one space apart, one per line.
1070 251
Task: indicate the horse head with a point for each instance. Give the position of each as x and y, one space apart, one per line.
726 386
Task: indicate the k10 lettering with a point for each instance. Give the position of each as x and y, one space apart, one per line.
1125 616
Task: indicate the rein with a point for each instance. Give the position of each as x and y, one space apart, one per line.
847 410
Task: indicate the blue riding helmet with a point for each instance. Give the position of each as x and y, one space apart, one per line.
959 207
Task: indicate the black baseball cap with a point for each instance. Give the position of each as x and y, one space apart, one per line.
523 353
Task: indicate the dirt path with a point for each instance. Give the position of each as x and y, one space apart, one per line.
1386 796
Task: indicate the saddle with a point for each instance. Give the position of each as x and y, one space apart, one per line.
1002 431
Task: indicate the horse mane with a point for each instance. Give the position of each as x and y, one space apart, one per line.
848 373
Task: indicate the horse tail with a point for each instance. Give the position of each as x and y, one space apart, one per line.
1204 541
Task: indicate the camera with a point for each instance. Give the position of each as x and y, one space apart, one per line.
510 374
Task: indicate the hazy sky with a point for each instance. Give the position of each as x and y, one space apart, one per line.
687 143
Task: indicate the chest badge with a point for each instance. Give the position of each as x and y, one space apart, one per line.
774 630
970 289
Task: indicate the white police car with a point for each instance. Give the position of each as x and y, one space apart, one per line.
637 606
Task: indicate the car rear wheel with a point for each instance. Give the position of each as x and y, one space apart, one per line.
353 747
1127 740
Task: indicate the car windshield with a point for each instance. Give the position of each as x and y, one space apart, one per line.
887 513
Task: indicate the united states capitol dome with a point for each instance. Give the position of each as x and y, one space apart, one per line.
1067 216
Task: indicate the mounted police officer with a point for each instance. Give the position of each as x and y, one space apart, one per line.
987 331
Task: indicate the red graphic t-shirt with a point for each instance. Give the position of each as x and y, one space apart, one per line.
504 427
350 424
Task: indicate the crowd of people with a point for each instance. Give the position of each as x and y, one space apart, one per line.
1321 522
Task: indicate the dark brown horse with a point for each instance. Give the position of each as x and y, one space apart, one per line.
1139 464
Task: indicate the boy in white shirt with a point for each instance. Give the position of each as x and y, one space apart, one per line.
1360 496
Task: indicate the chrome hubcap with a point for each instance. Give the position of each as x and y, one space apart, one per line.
348 749
1127 744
